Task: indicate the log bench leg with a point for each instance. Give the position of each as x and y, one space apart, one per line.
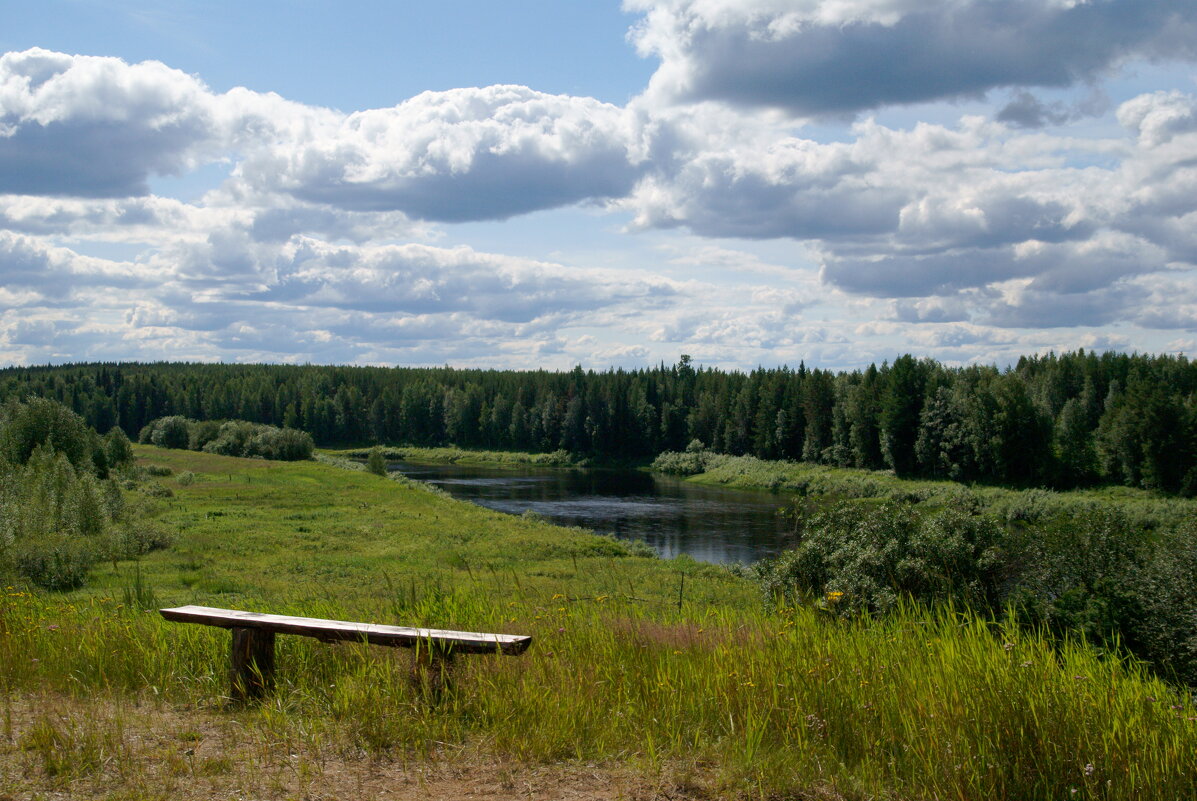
432 670
251 663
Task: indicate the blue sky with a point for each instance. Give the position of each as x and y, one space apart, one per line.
543 184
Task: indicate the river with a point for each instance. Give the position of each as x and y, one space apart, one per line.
710 524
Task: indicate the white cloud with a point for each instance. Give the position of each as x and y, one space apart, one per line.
464 154
819 58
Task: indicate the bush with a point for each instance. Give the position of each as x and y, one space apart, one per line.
171 432
1073 568
137 539
282 444
155 490
158 470
203 432
230 438
56 563
118 448
185 479
686 463
53 518
38 422
376 463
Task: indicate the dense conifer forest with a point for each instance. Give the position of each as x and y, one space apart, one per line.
1066 420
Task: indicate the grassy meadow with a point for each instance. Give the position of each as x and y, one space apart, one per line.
670 669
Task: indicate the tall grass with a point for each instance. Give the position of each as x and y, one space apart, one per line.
920 705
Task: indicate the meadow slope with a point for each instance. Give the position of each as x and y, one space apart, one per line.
646 676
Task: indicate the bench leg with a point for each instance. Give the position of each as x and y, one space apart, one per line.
251 663
432 671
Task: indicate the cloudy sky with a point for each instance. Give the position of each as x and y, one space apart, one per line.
543 183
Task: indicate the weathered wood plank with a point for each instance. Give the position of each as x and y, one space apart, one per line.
466 642
251 663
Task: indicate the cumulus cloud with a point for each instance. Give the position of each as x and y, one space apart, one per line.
464 154
320 241
87 126
819 58
1159 116
48 275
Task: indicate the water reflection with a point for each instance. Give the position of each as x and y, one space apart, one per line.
710 524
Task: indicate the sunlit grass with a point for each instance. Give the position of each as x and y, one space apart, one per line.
940 705
764 703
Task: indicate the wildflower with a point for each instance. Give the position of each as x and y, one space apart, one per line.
834 596
561 631
1088 770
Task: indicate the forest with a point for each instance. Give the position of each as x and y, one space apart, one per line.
1057 420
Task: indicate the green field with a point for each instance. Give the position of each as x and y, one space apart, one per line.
669 669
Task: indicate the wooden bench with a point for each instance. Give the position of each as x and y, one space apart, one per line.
251 666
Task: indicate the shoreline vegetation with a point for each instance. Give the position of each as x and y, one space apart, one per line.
465 456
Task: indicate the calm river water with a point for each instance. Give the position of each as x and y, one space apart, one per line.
710 524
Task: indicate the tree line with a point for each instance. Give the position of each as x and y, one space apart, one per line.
1059 420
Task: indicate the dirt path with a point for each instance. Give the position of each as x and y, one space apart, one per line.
55 747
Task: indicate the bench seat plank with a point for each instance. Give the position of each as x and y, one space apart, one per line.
328 630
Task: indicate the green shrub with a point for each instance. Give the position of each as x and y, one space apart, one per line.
376 463
153 489
55 562
38 422
862 558
137 538
185 479
283 444
171 432
202 432
1071 567
53 518
686 463
118 448
158 470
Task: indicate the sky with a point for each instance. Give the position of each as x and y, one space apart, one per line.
547 183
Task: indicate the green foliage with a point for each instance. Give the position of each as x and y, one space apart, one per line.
38 422
54 519
229 438
376 463
688 463
169 432
866 558
1082 568
1065 420
118 449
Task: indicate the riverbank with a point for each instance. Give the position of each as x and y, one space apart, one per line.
476 458
805 478
666 671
